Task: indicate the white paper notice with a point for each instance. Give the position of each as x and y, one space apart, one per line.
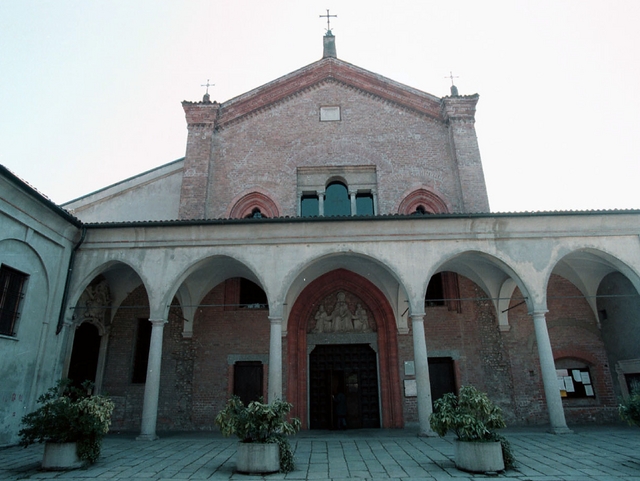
576 375
561 384
568 383
410 388
585 378
588 390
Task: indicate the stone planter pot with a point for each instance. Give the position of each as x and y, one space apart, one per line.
478 457
258 458
60 456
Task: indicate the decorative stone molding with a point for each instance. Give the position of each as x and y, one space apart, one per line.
245 206
429 201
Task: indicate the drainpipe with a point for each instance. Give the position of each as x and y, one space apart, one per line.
67 282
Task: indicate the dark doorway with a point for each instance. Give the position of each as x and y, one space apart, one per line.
350 369
247 381
84 355
442 377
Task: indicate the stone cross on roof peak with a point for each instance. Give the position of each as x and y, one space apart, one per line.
328 17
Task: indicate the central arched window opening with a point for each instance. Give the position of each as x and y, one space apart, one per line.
337 200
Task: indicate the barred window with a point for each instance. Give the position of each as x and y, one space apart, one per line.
12 284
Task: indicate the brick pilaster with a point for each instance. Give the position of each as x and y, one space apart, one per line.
459 112
201 122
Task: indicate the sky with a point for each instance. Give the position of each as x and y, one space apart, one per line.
91 90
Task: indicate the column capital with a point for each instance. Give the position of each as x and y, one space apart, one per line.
539 313
275 319
417 317
158 322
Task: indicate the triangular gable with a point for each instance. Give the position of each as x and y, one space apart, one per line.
328 69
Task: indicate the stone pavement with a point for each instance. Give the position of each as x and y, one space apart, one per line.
591 453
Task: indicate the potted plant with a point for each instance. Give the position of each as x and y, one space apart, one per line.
473 418
71 422
629 409
262 430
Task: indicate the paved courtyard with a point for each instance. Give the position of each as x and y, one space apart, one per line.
590 453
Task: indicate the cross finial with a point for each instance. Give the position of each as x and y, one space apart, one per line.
207 85
454 89
328 20
451 76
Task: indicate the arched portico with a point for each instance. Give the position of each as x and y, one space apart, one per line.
286 257
96 297
495 277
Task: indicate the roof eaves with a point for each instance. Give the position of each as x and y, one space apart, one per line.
369 218
39 197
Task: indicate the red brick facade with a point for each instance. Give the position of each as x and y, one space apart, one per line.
256 142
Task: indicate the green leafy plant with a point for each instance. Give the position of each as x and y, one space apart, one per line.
260 423
69 414
629 409
471 416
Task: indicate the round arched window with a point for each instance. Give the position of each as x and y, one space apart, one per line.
337 200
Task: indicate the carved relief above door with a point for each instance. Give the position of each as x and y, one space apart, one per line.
341 312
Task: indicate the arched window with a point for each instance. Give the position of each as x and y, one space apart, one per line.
337 200
422 201
251 204
255 214
420 210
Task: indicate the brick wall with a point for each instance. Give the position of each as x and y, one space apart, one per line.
575 336
174 407
218 333
263 150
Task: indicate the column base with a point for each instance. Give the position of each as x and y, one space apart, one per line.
427 434
560 430
147 437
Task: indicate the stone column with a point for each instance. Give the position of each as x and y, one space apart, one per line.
352 198
275 359
549 377
320 203
152 384
422 375
102 360
374 194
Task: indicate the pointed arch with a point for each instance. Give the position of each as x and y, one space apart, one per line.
316 291
246 206
423 201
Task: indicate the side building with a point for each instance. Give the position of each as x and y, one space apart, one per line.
37 243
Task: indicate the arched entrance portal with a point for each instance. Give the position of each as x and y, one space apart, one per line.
342 335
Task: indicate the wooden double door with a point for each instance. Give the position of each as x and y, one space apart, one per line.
349 370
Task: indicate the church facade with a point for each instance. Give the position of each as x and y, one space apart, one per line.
329 232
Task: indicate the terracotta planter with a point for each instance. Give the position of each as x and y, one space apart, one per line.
478 457
60 456
258 458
